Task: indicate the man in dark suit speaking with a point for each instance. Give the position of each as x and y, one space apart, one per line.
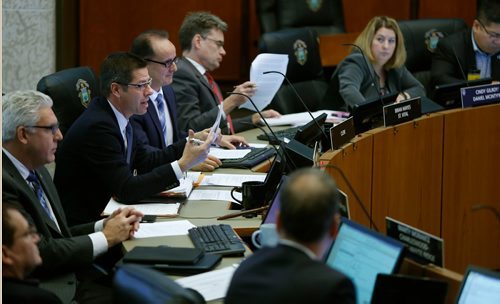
101 158
291 272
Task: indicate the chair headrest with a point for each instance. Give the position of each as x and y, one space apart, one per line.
71 91
302 47
422 36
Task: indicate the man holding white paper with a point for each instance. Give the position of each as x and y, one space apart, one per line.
197 94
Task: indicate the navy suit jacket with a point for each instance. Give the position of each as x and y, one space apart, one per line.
287 275
147 127
197 103
92 168
458 46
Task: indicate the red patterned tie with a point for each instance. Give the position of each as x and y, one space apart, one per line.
217 93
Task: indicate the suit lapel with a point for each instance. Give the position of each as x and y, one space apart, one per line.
168 93
204 81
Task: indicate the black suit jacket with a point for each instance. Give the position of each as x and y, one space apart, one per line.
91 165
22 291
458 46
287 275
197 103
147 127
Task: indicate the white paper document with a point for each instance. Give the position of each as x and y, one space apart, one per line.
167 210
169 228
221 153
267 84
215 130
214 195
211 285
231 179
297 119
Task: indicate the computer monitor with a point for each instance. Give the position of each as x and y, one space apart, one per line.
369 115
479 286
361 254
273 177
448 95
274 206
398 288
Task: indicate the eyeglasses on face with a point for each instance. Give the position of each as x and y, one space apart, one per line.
492 35
219 43
168 63
140 86
53 128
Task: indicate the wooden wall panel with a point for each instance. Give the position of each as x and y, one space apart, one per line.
471 170
465 9
358 13
109 26
407 168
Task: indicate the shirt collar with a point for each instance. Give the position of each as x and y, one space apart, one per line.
300 247
122 120
198 66
155 95
19 166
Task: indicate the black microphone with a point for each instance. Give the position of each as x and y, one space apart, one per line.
460 66
286 159
358 199
301 101
374 83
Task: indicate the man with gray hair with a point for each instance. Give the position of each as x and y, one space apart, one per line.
291 272
30 136
198 96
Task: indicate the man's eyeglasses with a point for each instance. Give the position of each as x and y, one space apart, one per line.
492 35
53 128
219 43
167 63
140 86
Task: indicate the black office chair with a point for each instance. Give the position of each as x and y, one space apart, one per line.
71 90
421 38
325 17
304 68
139 284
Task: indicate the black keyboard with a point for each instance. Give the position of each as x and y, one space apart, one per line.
220 239
255 157
281 134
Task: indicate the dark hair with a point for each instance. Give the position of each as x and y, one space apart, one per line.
309 203
141 45
8 228
198 23
118 67
488 11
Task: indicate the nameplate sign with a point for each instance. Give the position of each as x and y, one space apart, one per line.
342 133
423 248
404 111
480 95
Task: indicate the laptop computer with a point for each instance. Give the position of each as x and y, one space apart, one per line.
361 254
274 206
398 288
479 285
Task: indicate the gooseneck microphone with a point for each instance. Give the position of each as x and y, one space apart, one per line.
375 84
284 155
358 199
301 101
462 71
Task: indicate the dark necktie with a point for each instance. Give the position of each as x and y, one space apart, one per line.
217 93
35 183
161 113
128 135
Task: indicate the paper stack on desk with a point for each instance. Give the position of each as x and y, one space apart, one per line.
158 209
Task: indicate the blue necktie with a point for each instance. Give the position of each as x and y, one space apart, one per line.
161 113
128 134
33 179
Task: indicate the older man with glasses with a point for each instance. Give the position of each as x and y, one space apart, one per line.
473 53
198 96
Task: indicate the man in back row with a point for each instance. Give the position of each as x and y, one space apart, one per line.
198 97
292 271
466 54
101 158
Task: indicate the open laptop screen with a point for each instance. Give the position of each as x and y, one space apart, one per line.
479 286
274 206
361 254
